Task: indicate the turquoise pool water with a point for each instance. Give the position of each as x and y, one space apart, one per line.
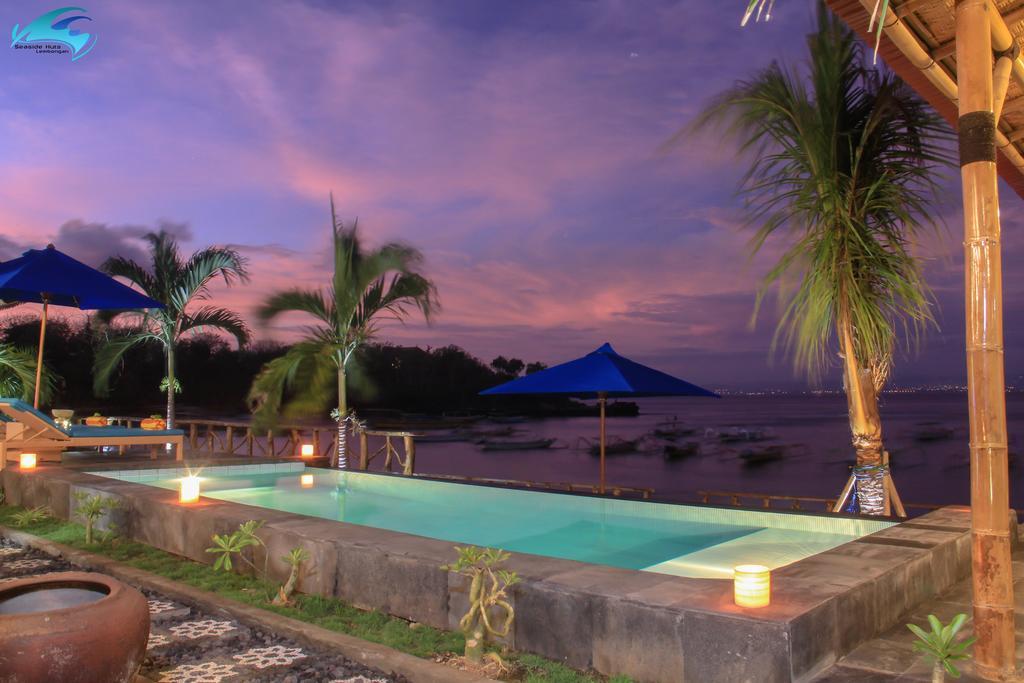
685 540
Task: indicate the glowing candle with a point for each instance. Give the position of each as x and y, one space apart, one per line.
189 489
306 480
28 461
752 585
307 450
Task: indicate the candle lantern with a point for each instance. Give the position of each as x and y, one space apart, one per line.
752 585
189 492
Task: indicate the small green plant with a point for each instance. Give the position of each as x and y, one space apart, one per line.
91 508
31 516
941 645
293 559
228 546
164 383
488 594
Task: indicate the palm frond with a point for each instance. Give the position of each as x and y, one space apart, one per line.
18 374
204 266
109 355
307 365
214 318
119 266
296 301
167 265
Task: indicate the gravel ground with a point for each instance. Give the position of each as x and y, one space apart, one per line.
187 645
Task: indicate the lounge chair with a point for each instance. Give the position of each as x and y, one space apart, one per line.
29 431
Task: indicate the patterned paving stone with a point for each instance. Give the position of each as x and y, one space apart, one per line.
166 610
27 564
202 628
207 672
157 640
275 655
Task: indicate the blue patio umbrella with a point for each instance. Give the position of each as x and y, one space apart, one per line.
600 374
47 276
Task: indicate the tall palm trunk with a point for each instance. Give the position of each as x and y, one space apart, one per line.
342 455
865 424
170 386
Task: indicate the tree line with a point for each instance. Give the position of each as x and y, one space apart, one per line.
214 377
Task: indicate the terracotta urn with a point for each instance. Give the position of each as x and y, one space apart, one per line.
72 627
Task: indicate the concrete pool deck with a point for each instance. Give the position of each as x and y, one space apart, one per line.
652 627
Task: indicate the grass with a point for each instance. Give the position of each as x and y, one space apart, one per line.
330 613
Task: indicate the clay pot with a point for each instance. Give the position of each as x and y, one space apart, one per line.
72 627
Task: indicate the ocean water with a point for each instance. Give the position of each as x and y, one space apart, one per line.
813 430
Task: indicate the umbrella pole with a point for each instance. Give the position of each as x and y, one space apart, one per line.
39 358
602 398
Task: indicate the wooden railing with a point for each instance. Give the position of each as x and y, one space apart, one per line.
388 450
237 437
769 501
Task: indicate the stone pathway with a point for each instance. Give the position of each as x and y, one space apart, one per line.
187 645
892 657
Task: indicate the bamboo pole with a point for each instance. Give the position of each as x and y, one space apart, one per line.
364 455
991 574
39 356
602 399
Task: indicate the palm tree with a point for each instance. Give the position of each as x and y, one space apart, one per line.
367 287
178 284
841 175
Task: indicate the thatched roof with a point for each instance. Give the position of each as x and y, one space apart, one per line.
918 43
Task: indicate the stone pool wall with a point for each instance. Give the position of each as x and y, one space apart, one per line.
652 627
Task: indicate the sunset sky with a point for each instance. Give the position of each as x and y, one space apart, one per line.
516 143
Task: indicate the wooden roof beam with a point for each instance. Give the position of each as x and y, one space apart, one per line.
910 6
944 50
1014 105
1014 17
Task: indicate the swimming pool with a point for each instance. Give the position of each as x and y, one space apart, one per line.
684 540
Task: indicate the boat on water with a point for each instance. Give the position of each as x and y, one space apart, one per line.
517 445
615 447
491 433
678 452
671 430
740 434
765 454
445 437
